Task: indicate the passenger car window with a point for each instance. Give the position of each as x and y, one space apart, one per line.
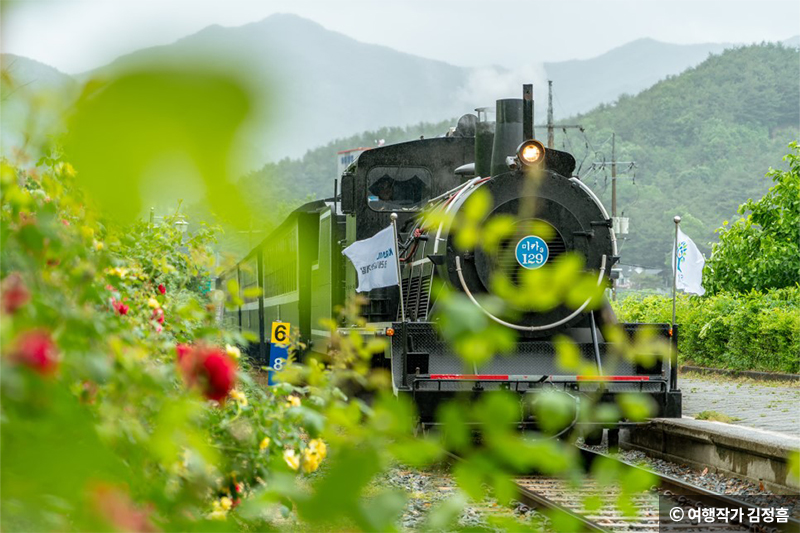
398 188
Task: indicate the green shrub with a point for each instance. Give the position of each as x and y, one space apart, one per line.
740 331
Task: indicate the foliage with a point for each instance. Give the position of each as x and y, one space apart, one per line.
701 141
761 250
96 418
739 331
112 420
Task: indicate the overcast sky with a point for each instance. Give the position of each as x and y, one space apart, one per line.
78 35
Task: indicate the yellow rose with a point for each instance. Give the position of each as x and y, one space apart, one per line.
118 271
220 508
318 447
152 302
293 401
68 170
233 351
264 444
239 396
291 459
311 461
217 514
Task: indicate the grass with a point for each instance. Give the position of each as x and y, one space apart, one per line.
715 416
740 380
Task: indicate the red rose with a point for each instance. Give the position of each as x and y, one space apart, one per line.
221 374
182 350
118 509
120 307
210 368
36 350
162 289
14 293
158 315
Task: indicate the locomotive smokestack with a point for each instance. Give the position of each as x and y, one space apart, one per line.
508 132
527 112
484 139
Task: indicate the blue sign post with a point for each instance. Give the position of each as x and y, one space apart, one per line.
532 252
278 349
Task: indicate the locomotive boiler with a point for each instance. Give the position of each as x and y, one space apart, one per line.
430 189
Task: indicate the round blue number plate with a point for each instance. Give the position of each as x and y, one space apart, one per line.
532 252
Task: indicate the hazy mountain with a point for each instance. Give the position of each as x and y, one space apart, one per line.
794 42
327 85
312 85
581 85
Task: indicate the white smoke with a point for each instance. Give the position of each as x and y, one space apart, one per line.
487 84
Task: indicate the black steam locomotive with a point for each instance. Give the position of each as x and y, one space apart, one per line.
303 275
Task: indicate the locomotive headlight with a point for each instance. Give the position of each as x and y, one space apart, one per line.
531 152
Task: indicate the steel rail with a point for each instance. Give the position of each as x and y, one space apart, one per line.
675 488
537 501
683 493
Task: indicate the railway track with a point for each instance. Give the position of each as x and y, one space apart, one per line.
547 493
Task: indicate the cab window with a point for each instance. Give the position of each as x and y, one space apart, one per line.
398 188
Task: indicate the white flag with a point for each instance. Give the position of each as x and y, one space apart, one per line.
375 260
689 272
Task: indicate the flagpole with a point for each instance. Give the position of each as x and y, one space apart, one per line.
673 363
677 220
404 333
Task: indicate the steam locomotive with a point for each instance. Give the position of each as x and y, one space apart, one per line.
303 275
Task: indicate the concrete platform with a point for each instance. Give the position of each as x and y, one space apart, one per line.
752 453
772 406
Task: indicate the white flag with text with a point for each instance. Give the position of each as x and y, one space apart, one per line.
689 270
375 260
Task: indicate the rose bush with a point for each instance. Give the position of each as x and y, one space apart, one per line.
118 393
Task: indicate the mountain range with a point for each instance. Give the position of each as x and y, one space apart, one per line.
312 85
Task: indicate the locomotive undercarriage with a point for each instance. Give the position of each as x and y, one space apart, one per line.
434 374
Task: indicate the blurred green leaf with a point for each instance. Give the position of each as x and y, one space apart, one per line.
382 511
453 419
172 130
554 410
637 407
470 478
445 514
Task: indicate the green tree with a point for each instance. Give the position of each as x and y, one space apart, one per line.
760 251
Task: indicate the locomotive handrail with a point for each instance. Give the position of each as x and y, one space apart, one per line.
451 202
594 197
517 326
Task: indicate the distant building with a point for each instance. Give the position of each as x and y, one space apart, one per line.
346 157
632 277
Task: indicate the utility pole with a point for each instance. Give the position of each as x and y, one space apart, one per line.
551 127
619 224
614 175
550 133
250 232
